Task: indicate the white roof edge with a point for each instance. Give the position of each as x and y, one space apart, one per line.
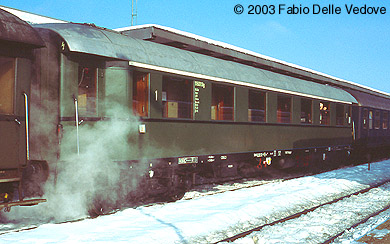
245 51
30 17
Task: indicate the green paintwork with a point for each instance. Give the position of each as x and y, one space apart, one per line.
178 138
13 135
198 136
114 45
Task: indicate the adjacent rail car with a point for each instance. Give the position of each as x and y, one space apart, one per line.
199 117
371 126
17 169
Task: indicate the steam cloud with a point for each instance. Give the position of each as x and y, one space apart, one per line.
94 174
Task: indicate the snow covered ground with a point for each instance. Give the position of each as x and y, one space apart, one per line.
211 218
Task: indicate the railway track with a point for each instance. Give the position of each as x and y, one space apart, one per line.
196 192
331 237
272 176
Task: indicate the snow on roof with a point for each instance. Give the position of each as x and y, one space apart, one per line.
247 52
30 17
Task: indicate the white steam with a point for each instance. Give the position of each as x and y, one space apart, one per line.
93 174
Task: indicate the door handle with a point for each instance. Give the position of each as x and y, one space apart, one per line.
17 121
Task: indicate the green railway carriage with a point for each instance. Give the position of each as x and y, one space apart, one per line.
17 42
162 109
197 114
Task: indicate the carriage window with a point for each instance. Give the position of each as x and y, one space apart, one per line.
7 84
385 120
87 96
306 108
222 103
177 98
370 120
140 94
284 109
256 109
339 114
324 113
377 122
348 115
365 118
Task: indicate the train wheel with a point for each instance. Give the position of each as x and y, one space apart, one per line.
177 195
96 209
246 169
100 207
181 184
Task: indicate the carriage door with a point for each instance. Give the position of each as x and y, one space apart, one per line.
11 125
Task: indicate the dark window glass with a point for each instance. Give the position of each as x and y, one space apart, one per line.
306 111
377 122
324 113
177 98
365 118
222 102
87 97
370 115
339 114
140 94
256 109
385 120
348 115
284 109
7 84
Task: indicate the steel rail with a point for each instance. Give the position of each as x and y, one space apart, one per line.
356 224
296 215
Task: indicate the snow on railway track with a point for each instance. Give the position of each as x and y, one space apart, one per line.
213 217
327 222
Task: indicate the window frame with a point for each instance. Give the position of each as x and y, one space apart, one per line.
309 115
252 110
340 110
365 118
11 82
377 120
218 114
385 120
324 110
178 104
279 112
370 120
87 110
348 115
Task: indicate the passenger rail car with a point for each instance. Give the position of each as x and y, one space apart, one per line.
185 117
17 169
371 130
206 117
